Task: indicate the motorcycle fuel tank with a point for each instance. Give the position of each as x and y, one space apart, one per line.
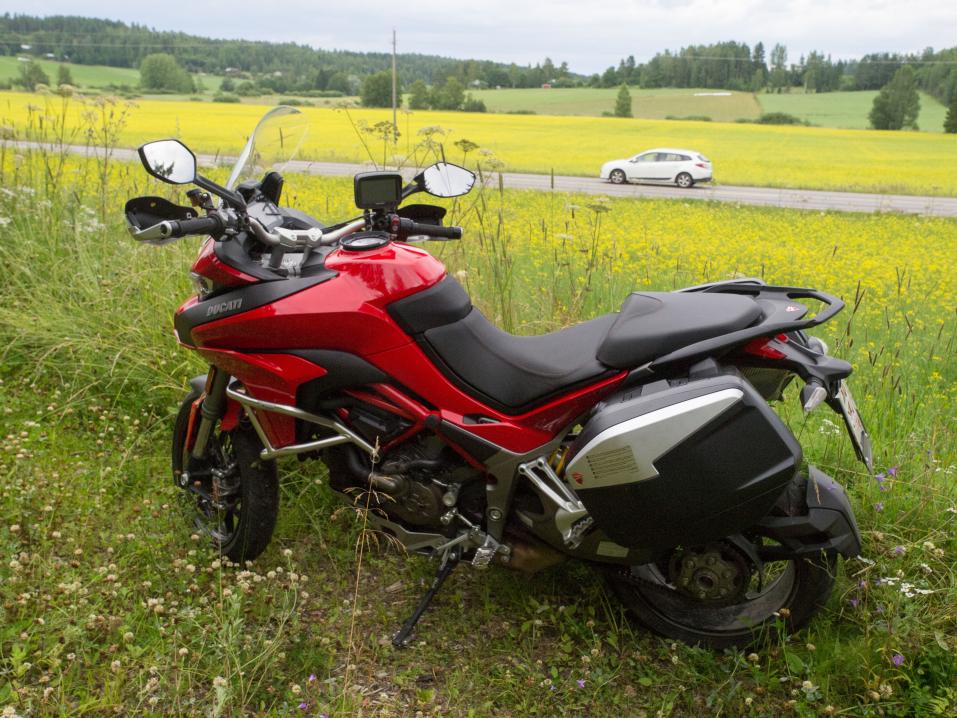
671 465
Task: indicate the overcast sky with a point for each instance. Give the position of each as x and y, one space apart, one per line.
590 35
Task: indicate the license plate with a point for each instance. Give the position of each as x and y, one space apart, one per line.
855 427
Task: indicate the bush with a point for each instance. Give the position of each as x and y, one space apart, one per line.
322 93
294 102
225 97
160 72
473 105
524 112
689 118
780 118
32 76
247 89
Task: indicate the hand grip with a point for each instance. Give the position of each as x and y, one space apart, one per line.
405 227
200 225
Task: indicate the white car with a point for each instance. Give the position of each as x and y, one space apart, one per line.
665 165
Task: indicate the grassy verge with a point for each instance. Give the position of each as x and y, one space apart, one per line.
108 606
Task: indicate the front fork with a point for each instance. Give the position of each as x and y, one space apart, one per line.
211 409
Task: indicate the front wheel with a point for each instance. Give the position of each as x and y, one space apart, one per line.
617 177
232 494
684 180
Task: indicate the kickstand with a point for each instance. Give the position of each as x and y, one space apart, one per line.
449 561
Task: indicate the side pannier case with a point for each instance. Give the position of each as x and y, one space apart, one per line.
675 465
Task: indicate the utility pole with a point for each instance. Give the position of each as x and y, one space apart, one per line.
395 123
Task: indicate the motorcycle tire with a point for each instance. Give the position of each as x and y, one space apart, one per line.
801 586
236 509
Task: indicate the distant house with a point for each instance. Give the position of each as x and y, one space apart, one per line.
546 85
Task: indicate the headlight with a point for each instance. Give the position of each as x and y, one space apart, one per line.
203 285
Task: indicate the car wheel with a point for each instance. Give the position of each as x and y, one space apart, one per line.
684 180
617 177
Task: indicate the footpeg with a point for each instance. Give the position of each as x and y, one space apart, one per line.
486 552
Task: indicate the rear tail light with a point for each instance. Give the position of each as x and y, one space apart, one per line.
702 165
761 347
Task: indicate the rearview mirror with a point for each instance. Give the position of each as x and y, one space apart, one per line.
445 180
169 160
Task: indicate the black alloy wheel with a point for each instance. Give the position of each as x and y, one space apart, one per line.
232 495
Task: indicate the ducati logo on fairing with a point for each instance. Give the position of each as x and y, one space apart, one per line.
224 307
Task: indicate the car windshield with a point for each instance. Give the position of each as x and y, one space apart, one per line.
275 141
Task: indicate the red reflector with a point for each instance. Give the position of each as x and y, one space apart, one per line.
760 348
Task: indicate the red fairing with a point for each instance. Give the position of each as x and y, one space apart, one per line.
346 313
207 264
271 377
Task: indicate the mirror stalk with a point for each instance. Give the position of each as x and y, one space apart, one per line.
231 198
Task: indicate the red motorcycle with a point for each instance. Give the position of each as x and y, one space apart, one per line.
641 441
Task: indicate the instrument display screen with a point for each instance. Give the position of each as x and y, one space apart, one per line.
378 190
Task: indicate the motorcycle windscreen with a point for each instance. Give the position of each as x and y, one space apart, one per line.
682 465
274 143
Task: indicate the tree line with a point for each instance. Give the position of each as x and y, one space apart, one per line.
736 66
268 66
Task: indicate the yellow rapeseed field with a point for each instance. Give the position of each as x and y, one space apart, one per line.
906 162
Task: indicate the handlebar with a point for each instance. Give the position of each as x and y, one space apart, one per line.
406 227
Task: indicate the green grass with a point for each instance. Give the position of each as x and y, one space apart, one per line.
846 109
648 104
826 109
96 76
83 75
108 606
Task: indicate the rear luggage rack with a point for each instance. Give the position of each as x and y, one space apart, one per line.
770 326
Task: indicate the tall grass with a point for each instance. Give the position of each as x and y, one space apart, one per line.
108 605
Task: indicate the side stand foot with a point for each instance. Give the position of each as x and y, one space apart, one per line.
451 559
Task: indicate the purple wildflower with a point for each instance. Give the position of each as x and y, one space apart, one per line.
880 477
892 472
879 506
303 706
897 659
898 550
552 687
580 682
312 678
854 602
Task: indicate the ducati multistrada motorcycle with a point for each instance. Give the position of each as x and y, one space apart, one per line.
641 441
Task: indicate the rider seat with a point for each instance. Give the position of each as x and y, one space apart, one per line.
513 374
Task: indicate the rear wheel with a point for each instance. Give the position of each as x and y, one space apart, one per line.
617 177
232 495
684 180
707 596
724 594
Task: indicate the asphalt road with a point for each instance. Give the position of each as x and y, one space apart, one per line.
820 200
